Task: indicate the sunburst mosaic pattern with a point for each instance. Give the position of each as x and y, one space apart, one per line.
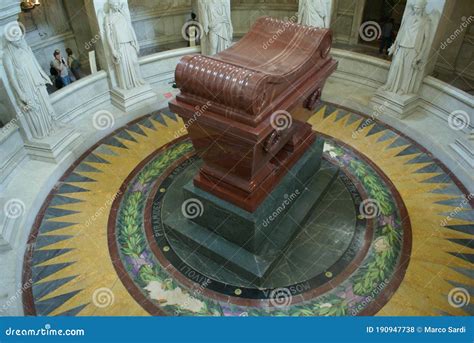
90 253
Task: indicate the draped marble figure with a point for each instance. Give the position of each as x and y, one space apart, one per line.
214 16
123 45
410 51
28 82
314 13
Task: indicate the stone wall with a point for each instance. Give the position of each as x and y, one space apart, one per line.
245 12
158 24
457 42
48 27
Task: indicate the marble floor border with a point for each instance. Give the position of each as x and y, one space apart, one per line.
436 160
373 308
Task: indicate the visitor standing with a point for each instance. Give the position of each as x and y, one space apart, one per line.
387 32
60 67
73 64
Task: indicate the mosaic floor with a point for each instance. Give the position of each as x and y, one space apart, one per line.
393 236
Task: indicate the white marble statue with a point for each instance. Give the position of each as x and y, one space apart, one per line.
123 45
410 51
214 16
314 13
28 83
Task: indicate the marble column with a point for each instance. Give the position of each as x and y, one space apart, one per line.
455 43
117 52
82 33
413 57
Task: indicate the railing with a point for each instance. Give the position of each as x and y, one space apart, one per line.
438 97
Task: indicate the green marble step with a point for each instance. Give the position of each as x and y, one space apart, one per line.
219 249
253 227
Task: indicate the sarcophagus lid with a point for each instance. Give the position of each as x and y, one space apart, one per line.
269 69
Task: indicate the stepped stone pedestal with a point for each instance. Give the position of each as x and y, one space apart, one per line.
54 147
260 176
127 100
399 106
251 243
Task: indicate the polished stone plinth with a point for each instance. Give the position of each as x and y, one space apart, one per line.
129 99
400 106
55 147
250 244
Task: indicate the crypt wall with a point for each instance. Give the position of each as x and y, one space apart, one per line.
56 24
60 24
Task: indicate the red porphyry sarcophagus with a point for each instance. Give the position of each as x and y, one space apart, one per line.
246 107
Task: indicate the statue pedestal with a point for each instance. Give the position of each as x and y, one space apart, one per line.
394 104
128 99
53 148
251 243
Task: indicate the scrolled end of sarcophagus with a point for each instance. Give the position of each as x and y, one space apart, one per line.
274 74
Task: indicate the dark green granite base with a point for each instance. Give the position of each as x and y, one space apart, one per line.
250 244
246 229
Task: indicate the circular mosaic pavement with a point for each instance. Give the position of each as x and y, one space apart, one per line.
394 227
